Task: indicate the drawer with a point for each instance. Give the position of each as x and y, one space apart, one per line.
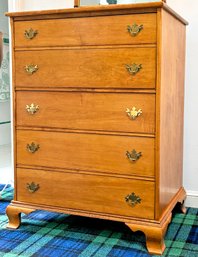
87 68
110 30
85 192
91 152
89 111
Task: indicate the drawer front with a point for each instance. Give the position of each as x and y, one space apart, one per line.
103 153
112 30
88 68
87 192
89 111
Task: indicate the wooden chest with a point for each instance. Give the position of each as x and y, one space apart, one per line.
98 98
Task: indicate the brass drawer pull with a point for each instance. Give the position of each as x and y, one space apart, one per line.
133 155
133 113
134 29
32 187
31 68
30 33
32 148
134 68
133 199
32 108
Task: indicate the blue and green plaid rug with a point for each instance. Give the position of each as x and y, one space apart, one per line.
47 234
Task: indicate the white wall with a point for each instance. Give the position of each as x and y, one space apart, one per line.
26 5
6 172
5 106
3 19
189 10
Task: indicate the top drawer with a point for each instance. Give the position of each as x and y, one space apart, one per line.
109 30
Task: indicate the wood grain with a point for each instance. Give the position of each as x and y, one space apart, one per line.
171 109
109 30
82 87
13 105
86 192
89 68
129 220
89 111
86 152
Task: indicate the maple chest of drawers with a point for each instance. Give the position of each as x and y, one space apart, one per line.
98 113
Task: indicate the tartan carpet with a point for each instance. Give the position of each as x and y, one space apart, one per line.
47 234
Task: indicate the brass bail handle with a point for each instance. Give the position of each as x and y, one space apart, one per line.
32 108
133 199
133 113
134 29
31 68
133 68
32 148
30 33
32 187
133 156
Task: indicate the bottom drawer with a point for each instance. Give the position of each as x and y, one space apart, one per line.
94 193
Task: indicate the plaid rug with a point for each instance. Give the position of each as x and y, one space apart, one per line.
7 194
48 234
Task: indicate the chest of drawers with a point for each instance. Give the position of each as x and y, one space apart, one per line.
98 113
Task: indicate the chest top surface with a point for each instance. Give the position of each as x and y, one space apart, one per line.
100 10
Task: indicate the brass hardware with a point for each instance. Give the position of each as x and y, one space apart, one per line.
135 29
133 68
133 155
32 187
31 68
133 113
30 34
133 199
32 148
32 108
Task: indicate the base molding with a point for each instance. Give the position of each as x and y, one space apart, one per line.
154 230
192 199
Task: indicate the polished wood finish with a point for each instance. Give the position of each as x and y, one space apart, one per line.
86 192
93 111
86 152
171 109
87 11
87 68
83 88
14 215
180 195
111 30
